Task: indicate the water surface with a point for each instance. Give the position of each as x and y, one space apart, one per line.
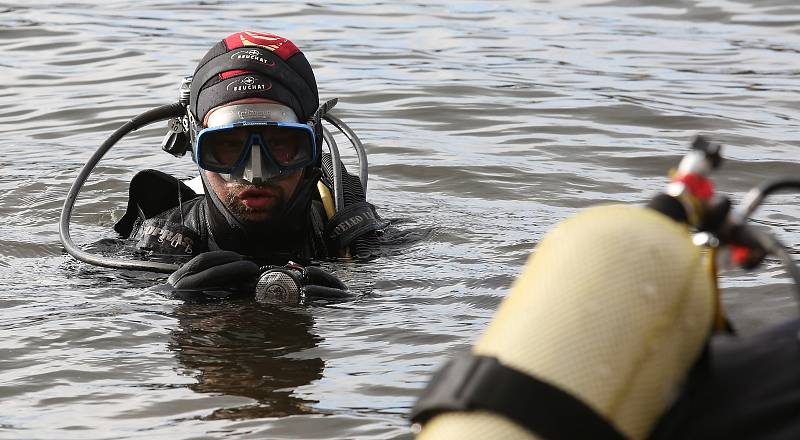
486 121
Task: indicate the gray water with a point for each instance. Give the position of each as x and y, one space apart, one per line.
486 121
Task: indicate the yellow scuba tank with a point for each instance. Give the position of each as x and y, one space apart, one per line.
330 210
613 309
327 199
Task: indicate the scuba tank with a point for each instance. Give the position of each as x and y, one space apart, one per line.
611 313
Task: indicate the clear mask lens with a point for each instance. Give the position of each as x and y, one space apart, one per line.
276 146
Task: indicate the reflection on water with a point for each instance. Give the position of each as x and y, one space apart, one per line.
248 350
485 123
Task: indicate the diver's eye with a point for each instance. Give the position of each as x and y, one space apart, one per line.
227 153
222 148
284 151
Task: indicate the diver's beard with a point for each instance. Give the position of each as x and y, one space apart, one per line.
233 201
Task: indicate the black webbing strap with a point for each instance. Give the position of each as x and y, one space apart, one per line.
351 222
471 383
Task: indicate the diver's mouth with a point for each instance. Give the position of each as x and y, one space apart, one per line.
258 198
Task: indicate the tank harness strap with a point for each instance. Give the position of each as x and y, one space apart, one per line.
481 383
351 222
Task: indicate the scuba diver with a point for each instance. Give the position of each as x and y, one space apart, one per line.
615 330
267 196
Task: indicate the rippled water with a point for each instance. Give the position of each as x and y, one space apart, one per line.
486 121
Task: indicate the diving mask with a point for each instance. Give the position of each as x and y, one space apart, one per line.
254 142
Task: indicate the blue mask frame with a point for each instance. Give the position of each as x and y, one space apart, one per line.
272 164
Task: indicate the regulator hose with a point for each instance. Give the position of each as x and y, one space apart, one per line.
756 196
157 114
752 201
363 171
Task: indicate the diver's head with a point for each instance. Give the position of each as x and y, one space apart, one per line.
251 100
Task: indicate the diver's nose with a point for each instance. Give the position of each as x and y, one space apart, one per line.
258 170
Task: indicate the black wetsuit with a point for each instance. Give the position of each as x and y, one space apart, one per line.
166 217
743 388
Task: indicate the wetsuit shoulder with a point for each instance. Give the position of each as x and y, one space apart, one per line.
151 192
163 215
